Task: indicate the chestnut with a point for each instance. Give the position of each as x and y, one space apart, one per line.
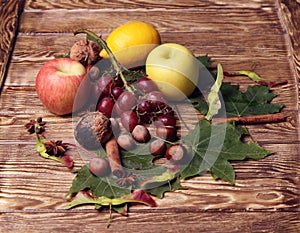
175 153
157 147
140 134
168 133
126 142
99 167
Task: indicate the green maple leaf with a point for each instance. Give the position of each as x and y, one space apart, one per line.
255 101
158 178
214 146
170 186
104 186
137 158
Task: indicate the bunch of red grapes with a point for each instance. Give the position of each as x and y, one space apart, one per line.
137 110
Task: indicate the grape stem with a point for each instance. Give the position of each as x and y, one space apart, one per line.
166 141
118 67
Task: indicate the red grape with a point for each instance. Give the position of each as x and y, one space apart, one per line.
157 100
126 100
106 106
156 96
167 110
144 106
165 120
129 120
104 84
117 111
116 92
119 82
146 85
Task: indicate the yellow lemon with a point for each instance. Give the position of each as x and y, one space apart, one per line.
174 69
132 42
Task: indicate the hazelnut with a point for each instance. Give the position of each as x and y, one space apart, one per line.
140 134
92 130
157 147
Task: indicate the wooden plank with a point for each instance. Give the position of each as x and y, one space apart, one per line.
203 21
140 5
168 220
32 48
270 69
269 184
10 12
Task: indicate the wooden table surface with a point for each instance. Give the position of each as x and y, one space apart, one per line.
235 33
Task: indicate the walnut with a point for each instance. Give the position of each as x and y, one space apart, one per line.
93 130
86 52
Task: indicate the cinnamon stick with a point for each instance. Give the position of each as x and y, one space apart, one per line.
266 118
113 154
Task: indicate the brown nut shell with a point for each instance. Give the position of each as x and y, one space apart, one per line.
93 130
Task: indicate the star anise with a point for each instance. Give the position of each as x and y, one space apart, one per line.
56 148
36 126
127 180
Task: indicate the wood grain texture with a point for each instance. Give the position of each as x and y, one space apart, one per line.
170 220
291 19
144 5
163 220
9 16
269 184
213 21
237 33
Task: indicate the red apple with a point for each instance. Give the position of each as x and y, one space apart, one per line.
57 84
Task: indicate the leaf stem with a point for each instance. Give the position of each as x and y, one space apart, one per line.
110 216
118 67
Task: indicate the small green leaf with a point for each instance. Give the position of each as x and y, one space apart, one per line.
250 74
105 186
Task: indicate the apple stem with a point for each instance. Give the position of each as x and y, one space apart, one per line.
118 67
